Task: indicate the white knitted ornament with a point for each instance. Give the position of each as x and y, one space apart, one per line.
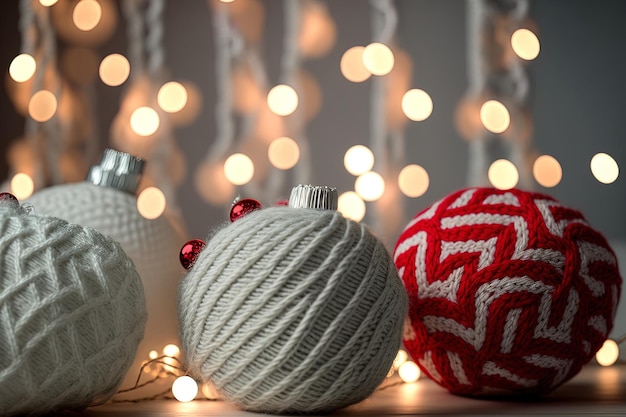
72 313
292 310
153 245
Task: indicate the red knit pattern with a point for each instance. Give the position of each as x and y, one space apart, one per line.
510 292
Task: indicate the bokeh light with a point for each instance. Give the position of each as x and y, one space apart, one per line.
114 70
604 168
547 171
358 160
42 106
184 389
238 169
503 174
22 186
87 14
608 354
151 203
413 180
525 44
22 68
47 3
172 97
282 100
494 116
211 183
401 357
144 121
351 206
352 66
378 58
417 105
171 350
318 32
370 186
409 372
283 153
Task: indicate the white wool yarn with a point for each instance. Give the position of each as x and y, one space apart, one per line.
292 311
72 313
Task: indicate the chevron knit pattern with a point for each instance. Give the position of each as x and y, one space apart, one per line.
292 311
72 313
510 292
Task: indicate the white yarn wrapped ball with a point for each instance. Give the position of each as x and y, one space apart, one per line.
292 311
72 313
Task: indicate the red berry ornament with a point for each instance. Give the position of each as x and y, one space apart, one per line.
243 207
190 252
9 198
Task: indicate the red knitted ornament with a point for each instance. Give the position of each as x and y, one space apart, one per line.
510 292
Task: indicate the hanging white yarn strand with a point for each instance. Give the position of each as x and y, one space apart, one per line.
135 27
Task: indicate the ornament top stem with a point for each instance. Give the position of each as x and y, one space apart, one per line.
117 170
313 196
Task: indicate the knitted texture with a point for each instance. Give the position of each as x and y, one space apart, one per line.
72 313
292 311
153 245
510 292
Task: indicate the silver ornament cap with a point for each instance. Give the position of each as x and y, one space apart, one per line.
117 170
313 196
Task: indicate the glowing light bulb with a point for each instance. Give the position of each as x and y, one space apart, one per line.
238 169
352 66
417 105
358 160
604 168
370 186
184 389
22 68
608 354
378 58
283 153
153 354
151 203
409 372
401 357
172 97
48 3
171 350
502 174
144 121
282 100
413 180
494 116
525 44
42 106
547 171
22 186
114 70
87 14
351 206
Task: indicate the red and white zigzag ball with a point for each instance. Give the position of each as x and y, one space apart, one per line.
510 292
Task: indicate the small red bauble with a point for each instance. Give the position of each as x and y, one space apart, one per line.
190 252
243 207
510 292
9 198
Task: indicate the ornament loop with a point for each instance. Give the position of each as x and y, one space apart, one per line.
190 252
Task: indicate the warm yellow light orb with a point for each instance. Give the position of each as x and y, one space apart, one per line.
48 3
171 350
378 58
352 66
503 174
22 68
172 97
604 168
238 169
494 116
153 354
351 206
608 354
42 106
401 357
144 121
184 389
370 186
409 372
283 153
22 186
525 44
547 171
358 160
87 14
151 203
417 105
114 70
282 100
413 180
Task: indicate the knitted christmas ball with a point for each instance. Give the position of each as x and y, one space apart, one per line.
72 313
510 292
106 201
292 310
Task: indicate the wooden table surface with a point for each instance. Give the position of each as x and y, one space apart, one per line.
595 391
